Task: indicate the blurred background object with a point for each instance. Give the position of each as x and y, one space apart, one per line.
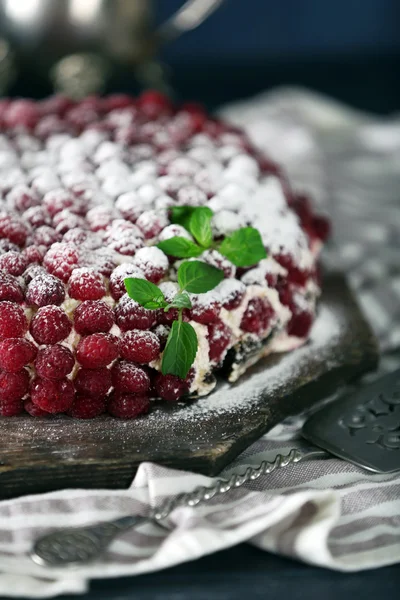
79 44
347 49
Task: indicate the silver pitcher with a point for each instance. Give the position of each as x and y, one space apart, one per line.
77 43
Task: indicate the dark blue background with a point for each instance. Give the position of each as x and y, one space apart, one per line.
248 30
349 49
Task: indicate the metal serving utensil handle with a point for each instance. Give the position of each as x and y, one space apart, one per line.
192 14
79 545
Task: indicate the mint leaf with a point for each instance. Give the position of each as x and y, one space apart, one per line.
197 277
180 351
181 300
200 225
182 215
180 247
244 247
144 292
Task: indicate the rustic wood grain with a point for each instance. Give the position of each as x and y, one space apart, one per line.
38 455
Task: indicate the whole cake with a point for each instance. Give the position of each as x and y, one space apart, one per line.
144 247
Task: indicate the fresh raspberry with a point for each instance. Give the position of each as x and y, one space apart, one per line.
139 346
257 316
191 195
13 322
44 290
162 332
37 216
285 292
55 105
205 309
13 386
33 255
86 284
80 237
13 229
10 288
122 272
170 387
127 245
97 350
93 316
151 223
45 236
11 409
116 101
34 271
100 259
54 362
197 115
99 217
153 262
231 292
295 274
93 382
300 323
321 227
21 113
81 116
57 200
15 353
121 228
87 407
53 396
214 258
51 125
130 315
7 246
34 410
128 406
21 198
129 206
128 378
66 220
153 104
50 325
60 260
219 339
13 263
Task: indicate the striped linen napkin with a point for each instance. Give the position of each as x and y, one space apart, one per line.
327 513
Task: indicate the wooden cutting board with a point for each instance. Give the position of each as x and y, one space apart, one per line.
38 455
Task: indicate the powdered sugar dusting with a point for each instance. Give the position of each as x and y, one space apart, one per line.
267 380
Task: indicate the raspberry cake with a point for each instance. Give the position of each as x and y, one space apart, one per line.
87 192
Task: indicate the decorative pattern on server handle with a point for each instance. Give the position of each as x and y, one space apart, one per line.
84 544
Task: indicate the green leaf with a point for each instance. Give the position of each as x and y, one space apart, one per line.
198 277
180 247
181 300
200 225
144 292
182 215
244 247
180 351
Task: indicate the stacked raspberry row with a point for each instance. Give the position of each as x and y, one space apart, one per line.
86 191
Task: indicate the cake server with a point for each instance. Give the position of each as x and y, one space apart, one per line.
363 428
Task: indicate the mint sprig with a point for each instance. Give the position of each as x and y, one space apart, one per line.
198 277
180 350
180 247
195 277
243 247
145 293
200 226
